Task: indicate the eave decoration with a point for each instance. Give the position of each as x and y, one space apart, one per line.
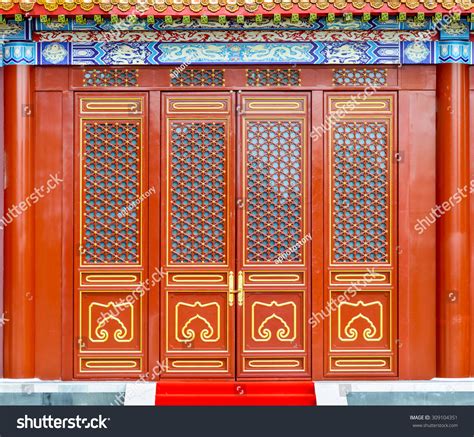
311 39
231 7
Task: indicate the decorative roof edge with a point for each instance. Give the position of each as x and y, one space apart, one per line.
228 8
430 27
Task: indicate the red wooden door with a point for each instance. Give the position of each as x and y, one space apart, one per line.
360 313
257 267
198 234
110 232
273 240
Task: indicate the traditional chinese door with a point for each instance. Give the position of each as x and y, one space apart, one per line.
111 234
273 238
198 238
236 206
361 236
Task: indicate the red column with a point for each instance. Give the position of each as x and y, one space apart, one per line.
2 154
452 195
18 226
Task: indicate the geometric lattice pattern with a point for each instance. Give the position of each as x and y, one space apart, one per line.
197 77
360 192
273 77
360 77
110 77
111 164
274 190
198 190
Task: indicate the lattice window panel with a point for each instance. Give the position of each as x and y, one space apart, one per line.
361 198
117 77
197 77
111 164
274 190
198 187
360 77
273 77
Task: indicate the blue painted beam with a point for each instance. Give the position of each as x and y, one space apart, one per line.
304 53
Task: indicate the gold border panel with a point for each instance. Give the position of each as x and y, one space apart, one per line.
110 365
109 279
360 364
270 364
360 277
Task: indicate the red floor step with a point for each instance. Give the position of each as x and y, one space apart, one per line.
228 393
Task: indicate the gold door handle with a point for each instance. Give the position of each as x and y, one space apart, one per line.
231 289
240 288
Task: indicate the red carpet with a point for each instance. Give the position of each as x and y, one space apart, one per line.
235 393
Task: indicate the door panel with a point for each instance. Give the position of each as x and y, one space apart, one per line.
198 234
110 312
361 236
273 241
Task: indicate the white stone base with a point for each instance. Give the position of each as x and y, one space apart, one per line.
335 393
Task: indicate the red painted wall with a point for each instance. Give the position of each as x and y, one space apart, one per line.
47 247
417 195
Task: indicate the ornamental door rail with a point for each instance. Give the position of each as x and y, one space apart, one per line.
236 299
